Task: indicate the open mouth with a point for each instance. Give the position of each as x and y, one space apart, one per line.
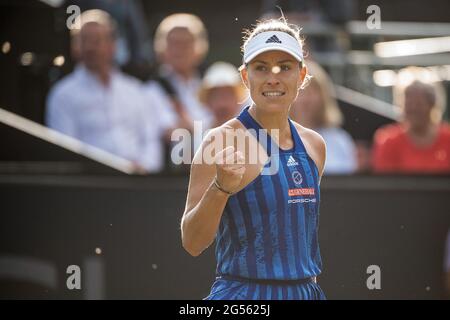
271 94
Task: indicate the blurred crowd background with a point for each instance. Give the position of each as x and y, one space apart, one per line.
125 74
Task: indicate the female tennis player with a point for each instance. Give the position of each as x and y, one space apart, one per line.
265 222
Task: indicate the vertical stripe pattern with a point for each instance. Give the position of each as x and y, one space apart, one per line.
269 229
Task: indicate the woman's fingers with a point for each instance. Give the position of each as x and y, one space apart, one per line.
223 154
230 165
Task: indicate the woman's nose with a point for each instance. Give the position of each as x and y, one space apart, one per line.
273 79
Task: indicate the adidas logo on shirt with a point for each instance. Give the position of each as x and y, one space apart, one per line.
272 39
291 162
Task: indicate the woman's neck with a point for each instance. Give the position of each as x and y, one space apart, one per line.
276 124
270 120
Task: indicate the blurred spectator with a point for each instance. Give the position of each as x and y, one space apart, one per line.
180 45
222 92
420 143
133 43
316 108
99 105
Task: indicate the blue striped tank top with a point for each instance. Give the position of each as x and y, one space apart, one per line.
269 229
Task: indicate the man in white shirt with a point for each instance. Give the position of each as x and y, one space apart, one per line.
101 106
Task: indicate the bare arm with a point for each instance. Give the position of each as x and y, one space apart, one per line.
321 154
205 202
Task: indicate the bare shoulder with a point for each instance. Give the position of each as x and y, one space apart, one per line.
232 124
314 144
311 136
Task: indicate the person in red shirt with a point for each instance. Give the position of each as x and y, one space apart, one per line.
420 143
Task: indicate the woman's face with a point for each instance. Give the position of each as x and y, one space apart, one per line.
273 79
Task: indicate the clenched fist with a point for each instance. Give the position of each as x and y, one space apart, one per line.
230 168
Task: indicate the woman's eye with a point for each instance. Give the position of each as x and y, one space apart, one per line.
261 68
285 68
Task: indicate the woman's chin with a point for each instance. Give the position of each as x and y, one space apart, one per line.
274 106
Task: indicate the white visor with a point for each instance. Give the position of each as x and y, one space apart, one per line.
272 40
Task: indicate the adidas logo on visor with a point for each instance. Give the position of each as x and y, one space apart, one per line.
273 39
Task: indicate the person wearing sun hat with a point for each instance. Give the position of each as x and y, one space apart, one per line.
222 92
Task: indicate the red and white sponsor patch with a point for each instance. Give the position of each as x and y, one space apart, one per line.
301 192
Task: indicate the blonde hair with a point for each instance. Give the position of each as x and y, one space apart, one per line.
182 20
331 115
426 80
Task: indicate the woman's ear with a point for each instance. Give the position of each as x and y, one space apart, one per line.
302 75
244 75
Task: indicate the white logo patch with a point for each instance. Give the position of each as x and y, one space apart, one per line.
291 162
297 177
302 200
